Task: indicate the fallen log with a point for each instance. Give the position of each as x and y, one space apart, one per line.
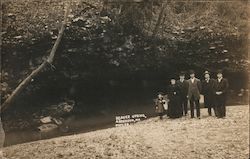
35 72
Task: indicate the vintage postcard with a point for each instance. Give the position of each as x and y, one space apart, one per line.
124 79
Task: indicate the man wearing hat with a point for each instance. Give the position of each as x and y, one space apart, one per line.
220 89
2 137
208 92
183 85
194 89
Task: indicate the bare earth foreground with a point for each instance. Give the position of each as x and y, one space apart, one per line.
153 139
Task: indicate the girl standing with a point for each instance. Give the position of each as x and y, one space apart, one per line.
159 105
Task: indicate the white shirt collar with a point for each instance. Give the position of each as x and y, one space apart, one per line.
219 79
192 80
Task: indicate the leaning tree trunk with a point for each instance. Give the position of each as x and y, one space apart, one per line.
159 19
35 72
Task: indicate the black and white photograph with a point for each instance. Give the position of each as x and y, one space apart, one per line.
124 79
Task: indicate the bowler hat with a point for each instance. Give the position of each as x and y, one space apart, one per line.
172 77
219 71
191 72
206 72
182 73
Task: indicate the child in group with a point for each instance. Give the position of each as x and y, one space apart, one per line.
160 105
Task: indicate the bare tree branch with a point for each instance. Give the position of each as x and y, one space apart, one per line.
34 73
159 20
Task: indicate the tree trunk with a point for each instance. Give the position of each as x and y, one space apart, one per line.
34 73
159 20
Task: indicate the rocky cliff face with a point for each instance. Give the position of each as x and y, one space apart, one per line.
117 37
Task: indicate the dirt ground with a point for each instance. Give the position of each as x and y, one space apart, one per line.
181 138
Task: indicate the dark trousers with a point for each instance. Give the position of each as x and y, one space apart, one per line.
220 107
197 105
209 109
2 135
160 115
209 103
184 105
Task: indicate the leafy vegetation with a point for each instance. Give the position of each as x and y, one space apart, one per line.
118 40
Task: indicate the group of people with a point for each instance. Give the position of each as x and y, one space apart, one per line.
174 101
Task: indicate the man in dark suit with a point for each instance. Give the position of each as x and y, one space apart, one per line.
2 137
220 89
194 89
208 92
183 85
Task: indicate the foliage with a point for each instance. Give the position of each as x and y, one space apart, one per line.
105 40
